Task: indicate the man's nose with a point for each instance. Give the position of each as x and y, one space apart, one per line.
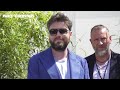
58 33
100 42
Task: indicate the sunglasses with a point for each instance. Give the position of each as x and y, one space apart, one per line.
55 31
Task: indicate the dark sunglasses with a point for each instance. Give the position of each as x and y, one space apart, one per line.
55 31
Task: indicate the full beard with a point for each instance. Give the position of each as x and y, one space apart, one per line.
59 46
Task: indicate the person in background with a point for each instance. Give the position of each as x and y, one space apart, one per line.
58 62
104 63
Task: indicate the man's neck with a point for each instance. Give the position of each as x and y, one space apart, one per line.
102 59
58 55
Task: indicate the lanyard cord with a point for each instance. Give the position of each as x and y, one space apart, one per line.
104 71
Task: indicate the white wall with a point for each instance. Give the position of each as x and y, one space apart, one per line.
84 21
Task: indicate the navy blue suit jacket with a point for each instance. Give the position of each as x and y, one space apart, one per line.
42 66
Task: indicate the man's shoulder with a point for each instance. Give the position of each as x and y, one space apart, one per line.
40 53
90 56
76 56
115 55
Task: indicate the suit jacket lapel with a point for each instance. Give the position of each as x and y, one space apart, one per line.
49 64
113 63
91 61
91 65
74 66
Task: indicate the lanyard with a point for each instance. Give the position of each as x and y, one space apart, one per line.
104 71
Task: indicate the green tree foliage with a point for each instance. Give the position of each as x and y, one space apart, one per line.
22 34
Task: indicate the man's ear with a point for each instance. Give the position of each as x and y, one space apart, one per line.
110 38
90 40
70 33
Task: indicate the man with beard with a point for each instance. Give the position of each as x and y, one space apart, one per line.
58 62
104 63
